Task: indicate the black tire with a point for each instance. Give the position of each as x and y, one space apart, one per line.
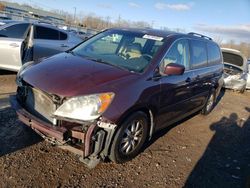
209 104
242 90
118 152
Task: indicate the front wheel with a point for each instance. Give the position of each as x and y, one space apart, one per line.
209 104
130 138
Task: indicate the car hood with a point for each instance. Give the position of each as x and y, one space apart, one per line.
69 75
234 58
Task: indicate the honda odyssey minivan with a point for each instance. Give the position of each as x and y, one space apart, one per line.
107 96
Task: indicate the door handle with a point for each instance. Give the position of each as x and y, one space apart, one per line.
15 45
188 80
64 45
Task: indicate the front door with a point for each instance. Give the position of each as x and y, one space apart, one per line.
11 46
176 90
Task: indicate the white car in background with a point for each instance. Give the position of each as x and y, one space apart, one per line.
22 41
235 70
248 75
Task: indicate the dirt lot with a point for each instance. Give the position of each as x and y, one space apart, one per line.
211 151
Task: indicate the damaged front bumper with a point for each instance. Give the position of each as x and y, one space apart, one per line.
235 83
90 140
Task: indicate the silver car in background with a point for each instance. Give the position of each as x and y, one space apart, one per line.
22 41
248 75
235 69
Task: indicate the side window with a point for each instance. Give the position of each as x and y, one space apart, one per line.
198 54
14 31
214 55
178 53
46 33
63 36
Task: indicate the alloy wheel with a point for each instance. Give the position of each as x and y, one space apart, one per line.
131 137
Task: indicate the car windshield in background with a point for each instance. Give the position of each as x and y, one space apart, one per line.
126 50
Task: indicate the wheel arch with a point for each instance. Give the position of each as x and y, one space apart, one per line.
150 111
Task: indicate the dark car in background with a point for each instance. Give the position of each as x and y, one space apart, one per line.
106 97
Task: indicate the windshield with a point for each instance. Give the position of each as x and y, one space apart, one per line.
123 49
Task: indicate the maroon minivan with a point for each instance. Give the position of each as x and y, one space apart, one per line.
107 96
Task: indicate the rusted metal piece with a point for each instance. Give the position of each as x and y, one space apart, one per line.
88 138
78 135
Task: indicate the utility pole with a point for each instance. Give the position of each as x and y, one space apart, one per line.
74 15
152 23
119 20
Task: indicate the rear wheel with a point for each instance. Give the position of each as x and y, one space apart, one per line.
130 138
209 104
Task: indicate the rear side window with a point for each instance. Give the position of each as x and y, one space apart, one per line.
15 31
46 33
198 54
214 55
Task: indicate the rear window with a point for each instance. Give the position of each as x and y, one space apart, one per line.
198 54
214 55
46 33
14 31
232 59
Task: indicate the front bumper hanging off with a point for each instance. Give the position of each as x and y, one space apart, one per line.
95 138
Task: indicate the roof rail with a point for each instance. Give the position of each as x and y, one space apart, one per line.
200 35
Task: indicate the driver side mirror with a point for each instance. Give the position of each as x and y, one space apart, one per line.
174 69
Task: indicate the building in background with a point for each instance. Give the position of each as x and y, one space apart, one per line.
15 11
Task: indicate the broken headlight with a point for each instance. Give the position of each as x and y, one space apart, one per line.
85 108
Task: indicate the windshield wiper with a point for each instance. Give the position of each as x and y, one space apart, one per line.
71 52
106 63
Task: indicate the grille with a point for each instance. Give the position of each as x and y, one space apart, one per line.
40 104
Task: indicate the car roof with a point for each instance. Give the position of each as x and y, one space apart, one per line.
156 32
164 33
6 21
39 23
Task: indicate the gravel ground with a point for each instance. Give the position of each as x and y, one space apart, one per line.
211 151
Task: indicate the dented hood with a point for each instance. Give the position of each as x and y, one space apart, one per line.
69 75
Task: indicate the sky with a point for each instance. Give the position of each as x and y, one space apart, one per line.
222 19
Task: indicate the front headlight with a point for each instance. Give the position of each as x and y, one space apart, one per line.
85 108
